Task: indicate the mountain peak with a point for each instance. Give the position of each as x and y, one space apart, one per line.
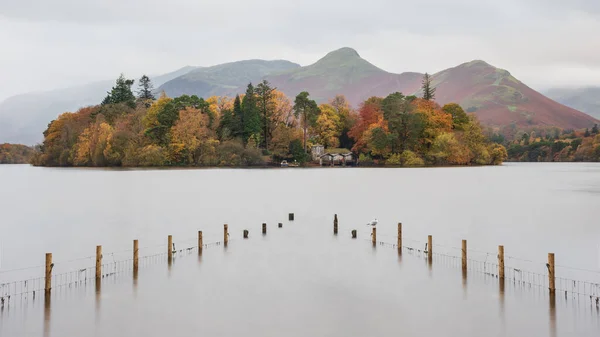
477 63
345 52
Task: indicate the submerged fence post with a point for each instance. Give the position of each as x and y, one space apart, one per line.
98 262
399 235
49 265
170 247
280 225
245 233
291 216
374 236
264 228
464 255
501 262
551 278
335 224
429 248
225 234
135 255
354 233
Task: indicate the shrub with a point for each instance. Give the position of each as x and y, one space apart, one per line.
410 159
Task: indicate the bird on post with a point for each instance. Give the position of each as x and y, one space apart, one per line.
373 223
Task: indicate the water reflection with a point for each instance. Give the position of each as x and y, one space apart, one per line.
98 285
135 282
552 314
464 283
47 302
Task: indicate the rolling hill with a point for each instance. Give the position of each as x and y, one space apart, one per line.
582 99
499 99
224 79
24 117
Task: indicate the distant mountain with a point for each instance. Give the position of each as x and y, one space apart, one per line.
499 99
24 117
224 79
582 99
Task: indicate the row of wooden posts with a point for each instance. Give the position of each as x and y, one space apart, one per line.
550 264
170 251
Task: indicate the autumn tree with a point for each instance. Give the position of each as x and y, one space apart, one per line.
251 116
307 110
404 124
121 93
459 117
369 114
427 88
347 120
265 104
328 126
189 133
145 88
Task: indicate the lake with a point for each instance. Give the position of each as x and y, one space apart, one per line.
301 280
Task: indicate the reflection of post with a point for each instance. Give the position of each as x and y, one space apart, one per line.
553 314
464 283
501 296
47 300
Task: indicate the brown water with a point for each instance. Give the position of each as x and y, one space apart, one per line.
301 280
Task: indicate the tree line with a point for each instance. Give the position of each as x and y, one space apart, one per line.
15 153
556 146
262 125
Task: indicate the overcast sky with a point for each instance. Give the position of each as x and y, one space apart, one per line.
47 44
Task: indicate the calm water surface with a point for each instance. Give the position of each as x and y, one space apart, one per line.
301 280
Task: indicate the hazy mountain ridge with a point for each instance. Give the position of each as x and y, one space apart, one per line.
585 99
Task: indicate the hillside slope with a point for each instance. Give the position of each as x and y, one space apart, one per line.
343 71
499 99
24 117
224 79
582 99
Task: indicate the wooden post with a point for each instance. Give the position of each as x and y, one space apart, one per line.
135 255
49 265
399 235
170 247
280 225
374 235
245 233
98 262
464 255
200 244
225 234
291 217
335 224
354 233
264 228
429 247
501 262
551 278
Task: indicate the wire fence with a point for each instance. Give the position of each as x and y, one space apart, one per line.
516 270
81 276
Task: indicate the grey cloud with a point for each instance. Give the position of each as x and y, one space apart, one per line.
61 42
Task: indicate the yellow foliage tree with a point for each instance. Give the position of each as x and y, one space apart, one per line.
150 120
328 126
188 134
